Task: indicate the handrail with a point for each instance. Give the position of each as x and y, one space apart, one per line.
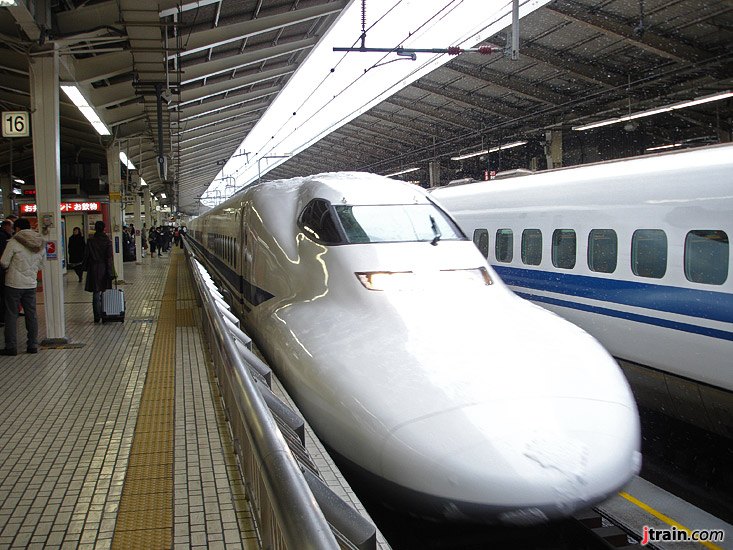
296 515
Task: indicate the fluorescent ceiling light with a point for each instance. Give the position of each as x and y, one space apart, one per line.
126 161
661 147
7 3
332 88
163 196
657 110
142 182
18 180
88 111
492 150
402 172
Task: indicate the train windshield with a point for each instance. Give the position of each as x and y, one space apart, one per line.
396 223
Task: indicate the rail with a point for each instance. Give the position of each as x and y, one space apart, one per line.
286 510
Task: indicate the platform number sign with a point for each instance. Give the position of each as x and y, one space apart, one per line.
16 124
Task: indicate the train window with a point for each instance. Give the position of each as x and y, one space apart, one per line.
318 222
649 253
602 250
532 246
563 248
481 240
706 256
396 223
504 245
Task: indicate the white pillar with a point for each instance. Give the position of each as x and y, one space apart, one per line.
138 227
44 85
116 217
147 204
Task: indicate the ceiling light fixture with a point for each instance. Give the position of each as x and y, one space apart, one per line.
87 110
401 172
7 3
492 150
657 110
661 147
18 180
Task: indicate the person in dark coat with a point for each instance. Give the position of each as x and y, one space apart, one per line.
6 233
76 252
99 261
153 241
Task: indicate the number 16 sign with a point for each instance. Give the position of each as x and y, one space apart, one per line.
16 124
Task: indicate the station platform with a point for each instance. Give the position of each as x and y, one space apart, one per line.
116 440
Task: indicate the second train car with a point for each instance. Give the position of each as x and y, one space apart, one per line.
636 252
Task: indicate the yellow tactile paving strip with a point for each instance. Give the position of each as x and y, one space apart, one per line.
145 517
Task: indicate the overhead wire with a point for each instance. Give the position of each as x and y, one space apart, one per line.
441 13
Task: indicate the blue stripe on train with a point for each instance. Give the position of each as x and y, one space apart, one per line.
704 304
686 327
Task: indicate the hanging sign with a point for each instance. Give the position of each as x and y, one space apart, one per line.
16 124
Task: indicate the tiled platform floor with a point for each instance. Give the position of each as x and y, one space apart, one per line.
67 418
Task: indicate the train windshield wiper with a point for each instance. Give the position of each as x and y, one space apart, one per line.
436 231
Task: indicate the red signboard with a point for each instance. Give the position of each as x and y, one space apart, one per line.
79 207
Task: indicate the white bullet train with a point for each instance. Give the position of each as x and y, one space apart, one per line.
411 358
634 251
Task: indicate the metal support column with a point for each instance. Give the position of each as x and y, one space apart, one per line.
44 85
553 149
434 173
116 218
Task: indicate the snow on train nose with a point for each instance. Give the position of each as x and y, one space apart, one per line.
533 460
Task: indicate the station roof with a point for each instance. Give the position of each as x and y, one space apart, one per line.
220 63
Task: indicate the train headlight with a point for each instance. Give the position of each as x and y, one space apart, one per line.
388 280
408 280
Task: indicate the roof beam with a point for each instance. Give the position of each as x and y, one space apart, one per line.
211 38
495 109
586 70
617 28
102 66
426 112
210 90
199 71
191 111
218 118
509 83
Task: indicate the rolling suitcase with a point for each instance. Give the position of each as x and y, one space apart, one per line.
113 305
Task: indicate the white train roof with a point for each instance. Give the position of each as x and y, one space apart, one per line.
352 188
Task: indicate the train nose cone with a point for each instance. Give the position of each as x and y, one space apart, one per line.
515 462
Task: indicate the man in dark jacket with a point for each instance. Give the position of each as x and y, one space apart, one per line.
6 233
98 257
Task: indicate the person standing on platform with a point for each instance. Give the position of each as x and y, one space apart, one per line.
22 259
99 262
6 233
76 252
152 240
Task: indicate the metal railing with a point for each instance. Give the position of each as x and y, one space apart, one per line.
294 508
